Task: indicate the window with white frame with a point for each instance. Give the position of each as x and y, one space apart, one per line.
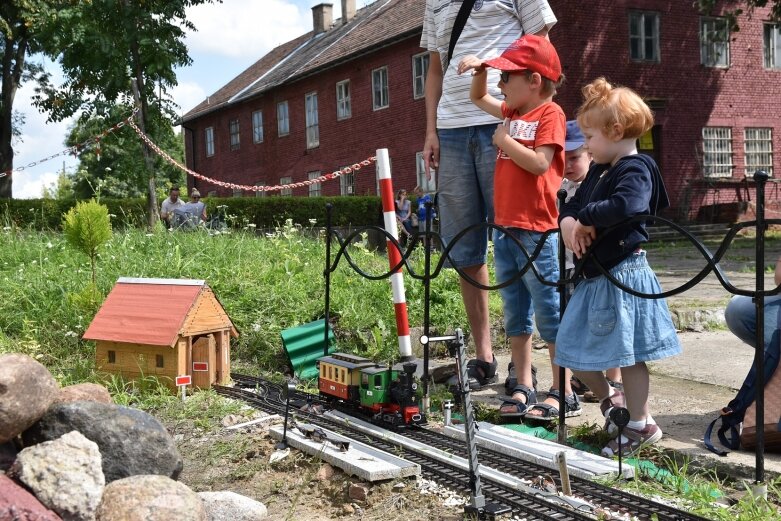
380 88
286 181
426 184
233 126
312 125
347 184
717 151
343 107
237 192
644 36
714 42
209 141
419 71
283 121
759 150
260 193
257 126
772 46
314 188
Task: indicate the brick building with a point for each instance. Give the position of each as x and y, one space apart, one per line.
333 96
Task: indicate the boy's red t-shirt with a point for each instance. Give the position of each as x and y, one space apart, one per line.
522 199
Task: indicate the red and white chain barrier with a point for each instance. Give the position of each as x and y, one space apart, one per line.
394 255
254 188
74 150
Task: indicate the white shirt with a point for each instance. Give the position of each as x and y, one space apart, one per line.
490 29
168 206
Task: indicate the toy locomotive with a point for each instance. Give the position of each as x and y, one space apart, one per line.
387 394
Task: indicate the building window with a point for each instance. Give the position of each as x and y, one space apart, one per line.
714 42
772 46
314 188
237 192
347 184
234 132
380 88
312 126
717 151
283 122
209 141
286 181
211 193
423 181
112 357
343 108
257 127
159 362
759 150
644 36
260 193
419 71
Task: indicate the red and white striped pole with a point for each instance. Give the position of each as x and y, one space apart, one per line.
394 255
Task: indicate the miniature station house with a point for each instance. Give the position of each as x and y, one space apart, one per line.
163 327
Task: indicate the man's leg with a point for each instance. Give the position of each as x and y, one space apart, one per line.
476 306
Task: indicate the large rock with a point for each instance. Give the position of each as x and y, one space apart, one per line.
149 498
27 389
64 474
86 392
131 442
16 504
229 506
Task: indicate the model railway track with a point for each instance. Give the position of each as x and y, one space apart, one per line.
269 398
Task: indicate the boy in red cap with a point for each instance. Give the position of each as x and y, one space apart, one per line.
529 170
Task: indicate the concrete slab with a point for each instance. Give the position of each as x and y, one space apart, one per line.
360 460
543 452
255 423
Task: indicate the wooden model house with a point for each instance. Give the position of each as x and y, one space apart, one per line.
163 327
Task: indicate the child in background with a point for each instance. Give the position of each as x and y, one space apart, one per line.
603 326
528 174
577 161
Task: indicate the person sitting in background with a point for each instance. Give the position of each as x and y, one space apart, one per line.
423 213
192 214
404 213
168 206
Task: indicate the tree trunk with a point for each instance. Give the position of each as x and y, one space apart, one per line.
15 51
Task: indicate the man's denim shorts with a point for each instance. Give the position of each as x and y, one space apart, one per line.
467 158
528 296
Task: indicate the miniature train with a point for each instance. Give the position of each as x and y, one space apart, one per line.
386 394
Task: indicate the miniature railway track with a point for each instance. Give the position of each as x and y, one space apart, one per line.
269 398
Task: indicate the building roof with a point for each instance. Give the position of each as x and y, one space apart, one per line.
377 25
148 311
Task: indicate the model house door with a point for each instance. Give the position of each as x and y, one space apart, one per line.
203 368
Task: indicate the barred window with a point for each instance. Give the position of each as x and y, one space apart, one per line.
380 88
347 183
423 181
286 181
283 123
234 133
237 192
314 188
759 150
260 193
209 141
717 151
644 36
419 71
312 125
343 106
772 46
714 42
257 126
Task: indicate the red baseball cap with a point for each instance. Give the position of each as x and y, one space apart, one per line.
529 52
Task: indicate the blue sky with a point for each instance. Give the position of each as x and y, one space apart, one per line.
231 36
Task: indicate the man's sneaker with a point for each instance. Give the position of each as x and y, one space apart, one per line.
632 440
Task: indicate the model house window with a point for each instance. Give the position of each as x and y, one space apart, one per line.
112 357
644 36
314 188
714 42
283 122
209 141
423 181
312 126
380 88
772 46
343 107
717 151
759 150
159 361
347 184
257 127
233 126
286 181
260 193
419 71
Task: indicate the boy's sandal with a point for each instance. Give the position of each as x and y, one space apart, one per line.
511 381
481 373
515 408
550 412
578 387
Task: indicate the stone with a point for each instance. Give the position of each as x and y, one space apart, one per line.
325 472
64 474
149 498
27 389
229 506
7 456
17 504
131 442
358 492
87 392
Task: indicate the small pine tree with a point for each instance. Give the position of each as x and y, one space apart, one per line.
87 227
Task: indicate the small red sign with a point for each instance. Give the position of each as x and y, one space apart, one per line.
184 380
200 366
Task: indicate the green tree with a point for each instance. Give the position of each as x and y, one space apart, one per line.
87 227
706 6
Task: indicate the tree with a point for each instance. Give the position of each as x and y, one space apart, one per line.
706 6
87 227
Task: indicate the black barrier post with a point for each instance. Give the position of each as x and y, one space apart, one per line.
426 303
563 297
329 208
760 178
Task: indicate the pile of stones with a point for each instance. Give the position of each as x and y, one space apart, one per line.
71 454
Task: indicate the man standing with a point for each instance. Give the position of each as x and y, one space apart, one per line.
168 206
459 143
